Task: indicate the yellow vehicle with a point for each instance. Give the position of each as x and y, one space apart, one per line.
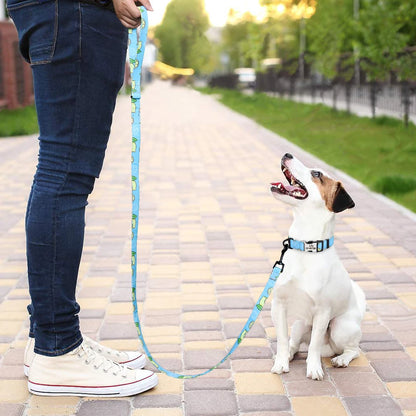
165 71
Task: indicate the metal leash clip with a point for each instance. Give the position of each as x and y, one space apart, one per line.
284 249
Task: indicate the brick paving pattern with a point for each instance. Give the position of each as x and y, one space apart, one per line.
209 234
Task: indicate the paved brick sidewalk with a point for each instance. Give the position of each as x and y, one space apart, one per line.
209 233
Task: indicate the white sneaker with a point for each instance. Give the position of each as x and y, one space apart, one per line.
84 372
131 359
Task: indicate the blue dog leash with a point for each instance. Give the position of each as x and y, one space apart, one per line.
136 52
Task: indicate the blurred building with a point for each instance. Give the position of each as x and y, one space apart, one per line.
16 88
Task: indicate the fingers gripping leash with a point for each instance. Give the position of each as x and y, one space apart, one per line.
137 43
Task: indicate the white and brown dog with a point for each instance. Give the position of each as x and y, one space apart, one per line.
314 285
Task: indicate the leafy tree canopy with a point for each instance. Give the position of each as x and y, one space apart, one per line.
385 32
181 34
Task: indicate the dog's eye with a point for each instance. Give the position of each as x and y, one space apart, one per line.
316 174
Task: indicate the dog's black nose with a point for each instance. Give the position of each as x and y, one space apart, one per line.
288 156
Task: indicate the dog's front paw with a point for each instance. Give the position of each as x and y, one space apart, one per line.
280 366
314 371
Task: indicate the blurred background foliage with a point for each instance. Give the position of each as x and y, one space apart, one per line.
332 35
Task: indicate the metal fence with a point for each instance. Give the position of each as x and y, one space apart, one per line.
369 99
228 81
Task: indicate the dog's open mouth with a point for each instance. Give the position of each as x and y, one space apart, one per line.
295 189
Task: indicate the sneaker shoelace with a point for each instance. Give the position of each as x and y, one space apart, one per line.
95 346
99 361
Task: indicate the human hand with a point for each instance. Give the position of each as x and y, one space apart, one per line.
128 12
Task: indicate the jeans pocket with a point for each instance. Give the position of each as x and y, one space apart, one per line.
36 22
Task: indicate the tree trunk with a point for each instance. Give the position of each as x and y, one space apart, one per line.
373 97
292 86
348 96
313 90
405 90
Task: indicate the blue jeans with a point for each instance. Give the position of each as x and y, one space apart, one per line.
77 52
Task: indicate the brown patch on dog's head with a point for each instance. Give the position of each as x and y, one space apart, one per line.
333 193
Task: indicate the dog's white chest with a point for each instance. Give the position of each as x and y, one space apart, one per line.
309 282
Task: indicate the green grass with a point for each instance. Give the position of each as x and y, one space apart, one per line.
380 153
18 122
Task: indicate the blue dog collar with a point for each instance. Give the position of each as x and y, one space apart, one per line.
311 246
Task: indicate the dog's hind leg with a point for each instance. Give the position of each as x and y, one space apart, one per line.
346 357
301 332
327 350
345 335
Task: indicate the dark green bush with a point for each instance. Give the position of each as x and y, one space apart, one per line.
395 184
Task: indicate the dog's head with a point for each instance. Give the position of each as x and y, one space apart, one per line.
310 187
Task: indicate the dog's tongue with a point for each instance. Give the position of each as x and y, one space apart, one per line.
291 190
288 188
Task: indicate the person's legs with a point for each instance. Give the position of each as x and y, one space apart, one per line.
77 53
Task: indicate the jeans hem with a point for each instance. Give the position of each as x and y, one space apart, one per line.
72 347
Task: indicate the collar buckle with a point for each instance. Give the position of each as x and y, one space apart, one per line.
316 246
312 246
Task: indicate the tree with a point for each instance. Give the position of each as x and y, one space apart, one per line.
387 30
253 45
247 42
295 9
381 38
181 34
329 42
383 41
287 19
331 36
233 36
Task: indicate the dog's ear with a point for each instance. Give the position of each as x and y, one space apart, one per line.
342 200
